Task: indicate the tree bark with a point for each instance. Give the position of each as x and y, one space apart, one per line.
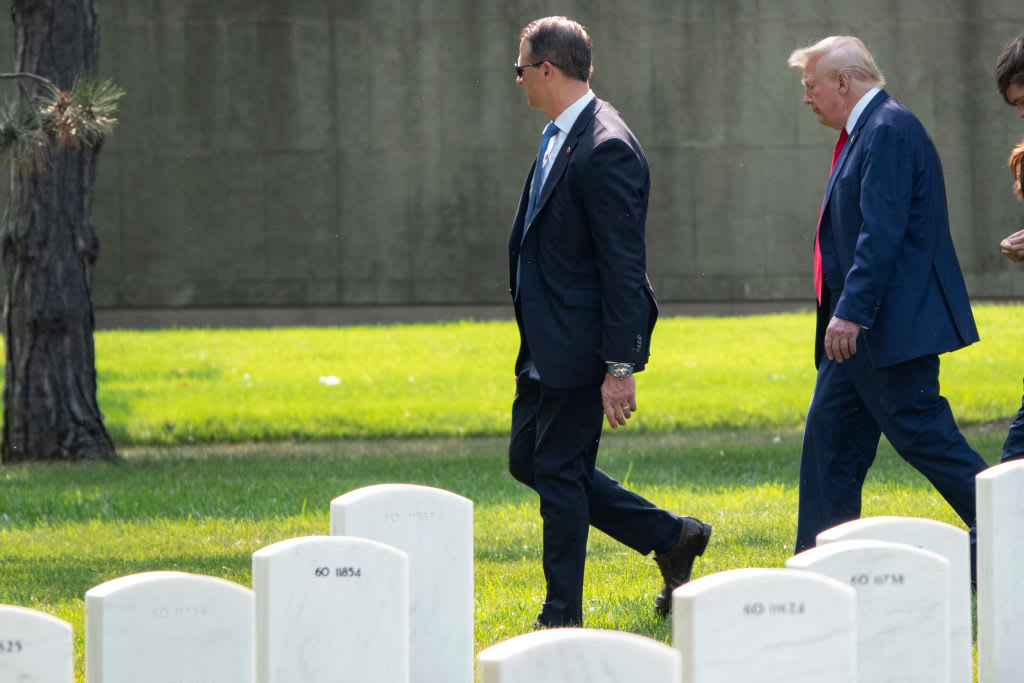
48 247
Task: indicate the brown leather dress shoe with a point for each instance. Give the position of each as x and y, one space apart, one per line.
676 564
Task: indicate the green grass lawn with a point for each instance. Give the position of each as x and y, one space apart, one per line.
232 442
455 379
206 509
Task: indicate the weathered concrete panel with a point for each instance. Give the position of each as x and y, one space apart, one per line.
285 153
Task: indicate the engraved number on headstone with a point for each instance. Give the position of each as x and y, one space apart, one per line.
889 579
878 579
178 612
787 608
340 572
756 609
421 516
10 647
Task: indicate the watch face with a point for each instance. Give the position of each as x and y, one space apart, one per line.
620 371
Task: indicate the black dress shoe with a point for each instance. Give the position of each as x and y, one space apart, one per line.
542 623
539 625
676 564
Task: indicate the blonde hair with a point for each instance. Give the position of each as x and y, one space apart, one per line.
838 55
1016 164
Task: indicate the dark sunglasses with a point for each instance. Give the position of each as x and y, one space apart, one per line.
519 67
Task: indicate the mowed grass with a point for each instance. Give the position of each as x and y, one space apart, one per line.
206 509
456 379
231 442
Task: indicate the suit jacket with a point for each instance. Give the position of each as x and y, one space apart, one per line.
886 250
583 295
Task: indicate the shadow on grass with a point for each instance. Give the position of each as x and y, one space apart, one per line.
267 481
206 509
58 578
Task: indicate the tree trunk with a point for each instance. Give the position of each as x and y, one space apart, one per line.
48 247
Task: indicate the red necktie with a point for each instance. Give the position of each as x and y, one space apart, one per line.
817 248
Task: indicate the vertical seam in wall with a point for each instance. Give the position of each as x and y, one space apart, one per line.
334 137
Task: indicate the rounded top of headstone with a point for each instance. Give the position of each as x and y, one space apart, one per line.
404 490
156 578
558 639
861 548
1013 468
764 576
13 612
912 530
341 543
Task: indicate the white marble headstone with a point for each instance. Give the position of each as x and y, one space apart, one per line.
765 626
167 627
902 607
435 528
952 543
579 655
34 647
1000 492
331 608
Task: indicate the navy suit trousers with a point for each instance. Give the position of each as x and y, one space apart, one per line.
1013 447
853 404
553 450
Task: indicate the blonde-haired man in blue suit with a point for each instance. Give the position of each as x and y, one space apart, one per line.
891 298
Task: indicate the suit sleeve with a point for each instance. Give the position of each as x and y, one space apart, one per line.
617 183
887 179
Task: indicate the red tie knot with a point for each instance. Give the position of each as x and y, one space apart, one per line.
839 147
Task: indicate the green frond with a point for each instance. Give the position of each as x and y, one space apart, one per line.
22 140
91 104
85 114
48 95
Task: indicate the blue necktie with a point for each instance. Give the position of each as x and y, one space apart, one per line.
549 132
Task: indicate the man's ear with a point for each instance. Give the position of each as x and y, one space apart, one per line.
844 83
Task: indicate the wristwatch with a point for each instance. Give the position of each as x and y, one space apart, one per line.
620 370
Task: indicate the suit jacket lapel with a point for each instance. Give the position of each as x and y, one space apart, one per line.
560 159
845 154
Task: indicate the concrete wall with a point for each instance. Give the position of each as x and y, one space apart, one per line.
279 153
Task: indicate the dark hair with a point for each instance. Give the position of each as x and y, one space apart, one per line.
1010 66
563 42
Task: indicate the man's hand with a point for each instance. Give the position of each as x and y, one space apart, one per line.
1013 246
841 339
619 399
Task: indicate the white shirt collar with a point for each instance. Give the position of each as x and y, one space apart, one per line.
565 121
858 109
568 117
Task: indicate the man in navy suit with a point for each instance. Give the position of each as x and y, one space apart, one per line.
891 298
585 311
